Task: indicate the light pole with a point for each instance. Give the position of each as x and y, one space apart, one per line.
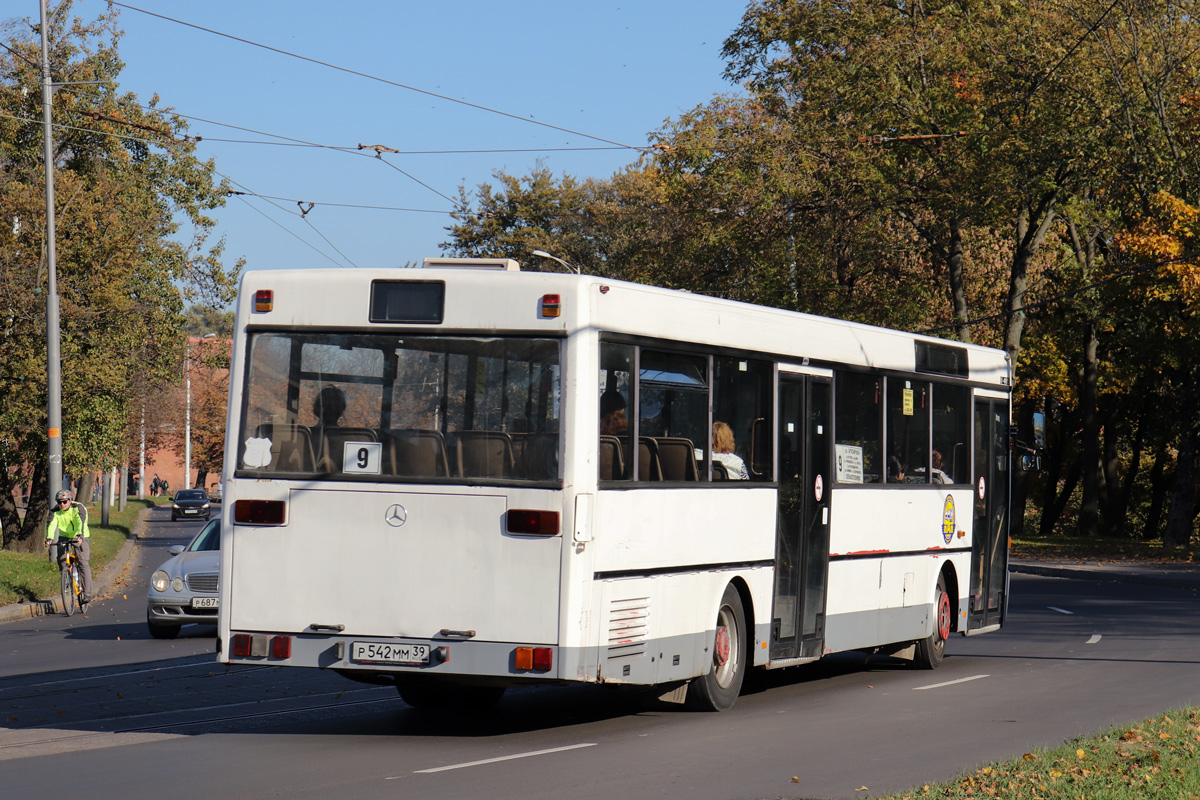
53 356
544 254
187 424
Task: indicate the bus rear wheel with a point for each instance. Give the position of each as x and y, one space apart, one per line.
718 689
932 649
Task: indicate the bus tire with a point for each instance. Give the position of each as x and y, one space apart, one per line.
932 649
435 695
718 689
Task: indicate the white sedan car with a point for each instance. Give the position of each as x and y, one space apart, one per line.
184 589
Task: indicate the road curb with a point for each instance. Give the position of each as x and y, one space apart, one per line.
1145 576
103 580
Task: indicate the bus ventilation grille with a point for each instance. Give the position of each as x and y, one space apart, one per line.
628 622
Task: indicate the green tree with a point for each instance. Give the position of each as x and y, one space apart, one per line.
126 180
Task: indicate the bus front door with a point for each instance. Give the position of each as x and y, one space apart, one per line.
989 546
802 530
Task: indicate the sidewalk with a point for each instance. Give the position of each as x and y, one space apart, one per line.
1179 575
103 581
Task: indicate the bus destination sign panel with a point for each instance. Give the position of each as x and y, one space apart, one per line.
408 301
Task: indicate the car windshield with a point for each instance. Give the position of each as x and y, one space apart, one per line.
209 538
190 494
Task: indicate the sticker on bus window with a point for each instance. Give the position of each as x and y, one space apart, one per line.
257 454
849 463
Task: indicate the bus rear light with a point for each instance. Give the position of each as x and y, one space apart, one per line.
540 523
258 512
551 305
538 659
281 647
241 645
264 300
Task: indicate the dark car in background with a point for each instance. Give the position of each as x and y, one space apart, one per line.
190 504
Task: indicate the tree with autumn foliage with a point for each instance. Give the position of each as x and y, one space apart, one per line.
126 179
969 170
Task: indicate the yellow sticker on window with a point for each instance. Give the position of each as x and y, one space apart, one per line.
908 402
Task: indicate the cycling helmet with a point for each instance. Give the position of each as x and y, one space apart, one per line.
62 495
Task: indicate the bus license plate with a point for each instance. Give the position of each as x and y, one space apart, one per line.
382 653
205 602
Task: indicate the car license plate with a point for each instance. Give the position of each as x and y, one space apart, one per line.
387 653
191 511
205 602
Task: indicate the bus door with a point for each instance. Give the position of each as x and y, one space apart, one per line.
802 538
989 545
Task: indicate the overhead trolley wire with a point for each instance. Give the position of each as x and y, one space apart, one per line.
368 76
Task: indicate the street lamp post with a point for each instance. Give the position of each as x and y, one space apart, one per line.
544 254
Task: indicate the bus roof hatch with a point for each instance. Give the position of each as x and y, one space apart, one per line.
472 263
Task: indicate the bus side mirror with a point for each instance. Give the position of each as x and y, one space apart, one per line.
1039 431
1031 463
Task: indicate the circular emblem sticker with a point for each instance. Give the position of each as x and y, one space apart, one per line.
948 519
819 488
981 491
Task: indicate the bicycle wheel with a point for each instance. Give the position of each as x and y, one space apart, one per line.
68 591
77 584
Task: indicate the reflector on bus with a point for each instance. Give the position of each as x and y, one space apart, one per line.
541 523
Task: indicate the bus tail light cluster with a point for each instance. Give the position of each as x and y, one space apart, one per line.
258 512
251 645
551 305
538 523
536 659
264 300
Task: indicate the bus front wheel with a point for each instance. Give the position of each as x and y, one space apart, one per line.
718 689
932 649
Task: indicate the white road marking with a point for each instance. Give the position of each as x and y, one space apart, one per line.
1061 610
950 683
1095 638
502 758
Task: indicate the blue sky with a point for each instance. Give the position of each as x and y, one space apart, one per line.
612 70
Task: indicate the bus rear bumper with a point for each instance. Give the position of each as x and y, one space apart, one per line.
374 659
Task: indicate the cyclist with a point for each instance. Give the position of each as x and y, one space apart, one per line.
67 522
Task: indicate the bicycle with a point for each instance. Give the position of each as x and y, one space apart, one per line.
72 581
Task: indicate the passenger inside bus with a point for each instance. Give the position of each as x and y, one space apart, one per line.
613 421
329 405
723 452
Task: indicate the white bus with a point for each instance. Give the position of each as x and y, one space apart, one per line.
464 477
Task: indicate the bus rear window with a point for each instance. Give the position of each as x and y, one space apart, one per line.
389 408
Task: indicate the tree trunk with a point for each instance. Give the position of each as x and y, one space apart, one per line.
37 514
1178 532
1089 507
1032 226
10 518
1116 512
958 290
1158 494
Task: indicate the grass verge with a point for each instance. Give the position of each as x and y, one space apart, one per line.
1099 549
1154 759
31 576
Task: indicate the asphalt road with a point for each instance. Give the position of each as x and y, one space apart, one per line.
141 716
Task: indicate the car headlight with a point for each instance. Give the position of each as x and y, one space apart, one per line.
177 584
175 505
159 581
204 506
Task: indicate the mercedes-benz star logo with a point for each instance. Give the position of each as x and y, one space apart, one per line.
396 515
